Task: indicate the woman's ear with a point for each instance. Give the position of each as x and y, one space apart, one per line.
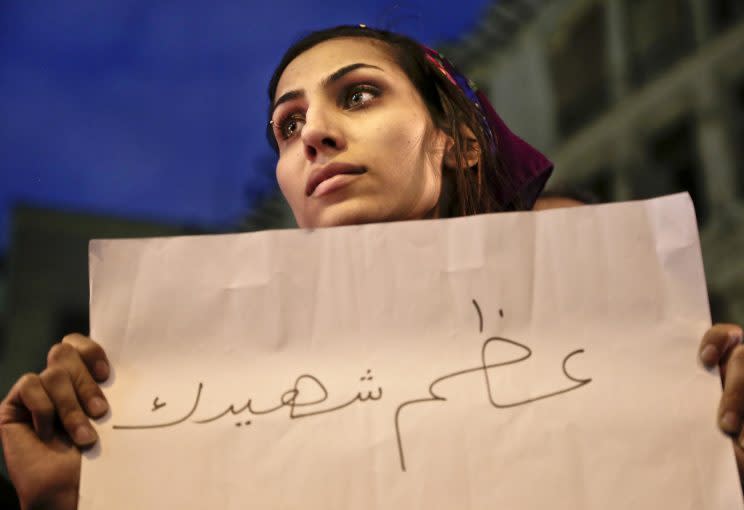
469 150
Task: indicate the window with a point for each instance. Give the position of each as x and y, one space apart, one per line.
579 70
661 32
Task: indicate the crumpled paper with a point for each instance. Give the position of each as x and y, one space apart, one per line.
520 360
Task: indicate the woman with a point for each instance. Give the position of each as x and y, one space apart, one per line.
368 126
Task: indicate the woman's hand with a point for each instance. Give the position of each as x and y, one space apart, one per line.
722 345
44 423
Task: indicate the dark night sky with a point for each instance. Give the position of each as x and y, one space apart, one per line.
156 110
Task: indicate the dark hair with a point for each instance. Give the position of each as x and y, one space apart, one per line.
465 191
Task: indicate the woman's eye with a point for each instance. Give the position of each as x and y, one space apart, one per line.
359 96
290 126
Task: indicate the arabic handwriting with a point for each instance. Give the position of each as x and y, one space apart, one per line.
308 394
485 367
293 403
167 424
291 399
230 409
157 405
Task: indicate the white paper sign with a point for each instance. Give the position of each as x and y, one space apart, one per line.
520 361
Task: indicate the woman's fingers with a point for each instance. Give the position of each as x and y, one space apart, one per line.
59 388
731 408
718 343
91 353
40 398
69 358
28 401
65 389
36 400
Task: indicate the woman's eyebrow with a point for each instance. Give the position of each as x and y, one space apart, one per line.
337 75
333 77
289 96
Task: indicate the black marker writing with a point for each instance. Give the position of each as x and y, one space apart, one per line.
167 424
157 405
300 405
291 399
292 402
484 368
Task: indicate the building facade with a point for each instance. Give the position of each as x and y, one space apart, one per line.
45 287
630 99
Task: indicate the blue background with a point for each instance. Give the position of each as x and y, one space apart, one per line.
156 110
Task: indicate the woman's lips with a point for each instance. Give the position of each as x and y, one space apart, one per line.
334 183
327 178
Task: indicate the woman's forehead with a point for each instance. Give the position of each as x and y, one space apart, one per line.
311 67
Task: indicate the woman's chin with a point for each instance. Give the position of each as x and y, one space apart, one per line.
359 210
350 212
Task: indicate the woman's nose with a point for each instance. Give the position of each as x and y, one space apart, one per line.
321 135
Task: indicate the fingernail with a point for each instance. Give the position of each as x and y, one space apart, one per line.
730 422
101 369
84 435
97 406
709 355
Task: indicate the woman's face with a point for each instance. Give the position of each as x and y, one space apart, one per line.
356 142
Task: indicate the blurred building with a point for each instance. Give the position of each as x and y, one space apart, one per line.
44 278
44 288
3 299
631 99
271 212
44 281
